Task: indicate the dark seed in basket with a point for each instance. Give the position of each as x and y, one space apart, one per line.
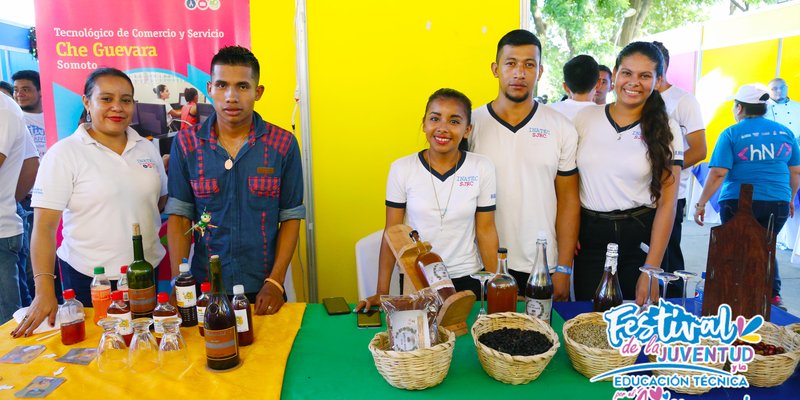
761 348
516 342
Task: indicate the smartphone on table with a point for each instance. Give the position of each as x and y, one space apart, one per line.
336 305
369 319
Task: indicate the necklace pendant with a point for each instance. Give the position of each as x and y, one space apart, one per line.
619 136
228 164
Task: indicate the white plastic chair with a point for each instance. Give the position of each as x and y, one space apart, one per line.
367 251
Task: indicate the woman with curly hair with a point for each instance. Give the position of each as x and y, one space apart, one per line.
629 157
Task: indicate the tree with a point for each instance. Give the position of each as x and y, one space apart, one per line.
601 28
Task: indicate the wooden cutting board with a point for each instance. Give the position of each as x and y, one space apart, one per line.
740 266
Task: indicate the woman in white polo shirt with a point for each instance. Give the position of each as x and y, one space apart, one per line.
446 194
629 157
102 179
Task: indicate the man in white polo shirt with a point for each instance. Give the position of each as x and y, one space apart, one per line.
580 80
13 135
683 107
533 149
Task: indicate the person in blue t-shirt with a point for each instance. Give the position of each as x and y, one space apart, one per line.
758 151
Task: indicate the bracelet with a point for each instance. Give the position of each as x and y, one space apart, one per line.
274 282
564 269
700 206
44 273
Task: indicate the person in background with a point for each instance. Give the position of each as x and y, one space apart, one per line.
605 83
580 80
101 179
630 156
189 110
28 94
162 91
533 150
7 89
247 175
770 163
684 108
446 194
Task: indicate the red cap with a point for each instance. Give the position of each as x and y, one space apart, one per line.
163 297
123 269
205 287
69 294
116 295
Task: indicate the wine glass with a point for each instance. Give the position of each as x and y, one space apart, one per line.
112 354
172 353
143 353
482 276
649 271
685 275
666 278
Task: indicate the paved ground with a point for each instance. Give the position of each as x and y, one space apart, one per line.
695 252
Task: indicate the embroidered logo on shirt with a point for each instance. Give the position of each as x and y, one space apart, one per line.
539 132
636 134
467 180
146 162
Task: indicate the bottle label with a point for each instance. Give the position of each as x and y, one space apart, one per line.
221 344
539 308
201 315
158 325
437 276
142 300
125 326
185 296
101 293
125 296
410 330
241 321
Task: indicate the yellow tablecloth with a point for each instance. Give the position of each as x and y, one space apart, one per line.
259 376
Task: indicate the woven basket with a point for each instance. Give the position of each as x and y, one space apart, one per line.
413 370
504 367
590 361
794 328
691 389
768 371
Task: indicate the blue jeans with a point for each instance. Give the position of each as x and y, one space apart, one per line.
26 291
9 285
762 211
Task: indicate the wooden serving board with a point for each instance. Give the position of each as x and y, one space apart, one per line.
740 266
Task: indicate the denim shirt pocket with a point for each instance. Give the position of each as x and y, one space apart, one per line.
263 190
206 192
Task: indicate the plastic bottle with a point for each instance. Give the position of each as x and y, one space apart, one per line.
186 296
202 303
101 293
119 309
162 311
698 294
122 283
244 318
73 326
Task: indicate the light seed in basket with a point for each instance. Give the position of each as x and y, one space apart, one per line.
516 342
590 335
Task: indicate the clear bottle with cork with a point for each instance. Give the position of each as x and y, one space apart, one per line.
244 316
186 296
101 293
163 311
609 292
502 288
119 309
141 280
72 318
202 303
539 289
432 270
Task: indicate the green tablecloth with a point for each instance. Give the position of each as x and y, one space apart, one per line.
330 360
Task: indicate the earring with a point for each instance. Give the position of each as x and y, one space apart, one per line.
88 116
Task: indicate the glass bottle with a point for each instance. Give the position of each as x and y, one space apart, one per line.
222 349
502 288
431 268
101 293
112 356
539 290
162 311
141 280
119 309
609 293
186 295
202 303
122 283
173 356
73 326
244 316
143 352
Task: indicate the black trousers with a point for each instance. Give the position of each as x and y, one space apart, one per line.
596 232
673 256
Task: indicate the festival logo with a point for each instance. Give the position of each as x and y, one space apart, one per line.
676 340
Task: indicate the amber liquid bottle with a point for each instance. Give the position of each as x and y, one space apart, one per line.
141 280
539 290
222 348
202 303
186 296
501 294
119 309
163 311
244 316
432 270
609 293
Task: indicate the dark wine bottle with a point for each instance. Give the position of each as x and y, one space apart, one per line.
222 346
539 290
185 296
244 316
141 280
609 293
